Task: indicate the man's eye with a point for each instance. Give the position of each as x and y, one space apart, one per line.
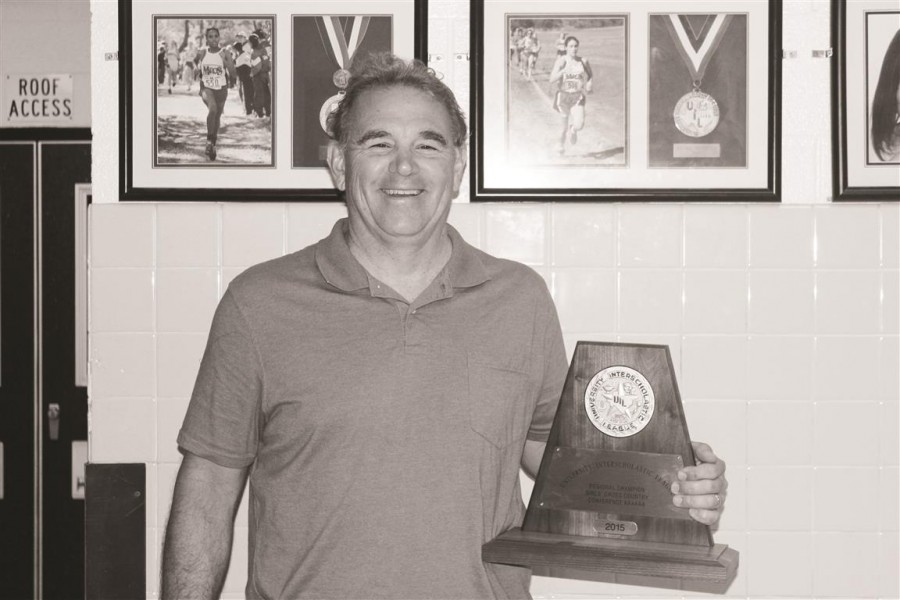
430 147
379 145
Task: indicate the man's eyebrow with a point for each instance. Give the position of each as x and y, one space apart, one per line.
434 136
428 134
371 135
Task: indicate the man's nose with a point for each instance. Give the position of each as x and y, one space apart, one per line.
403 163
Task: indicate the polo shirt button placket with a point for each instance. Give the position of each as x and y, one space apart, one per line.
410 325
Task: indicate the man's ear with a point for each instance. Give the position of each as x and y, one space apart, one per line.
459 166
335 159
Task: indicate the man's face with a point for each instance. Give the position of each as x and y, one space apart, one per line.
212 38
400 169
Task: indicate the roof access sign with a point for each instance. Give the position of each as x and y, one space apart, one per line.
37 99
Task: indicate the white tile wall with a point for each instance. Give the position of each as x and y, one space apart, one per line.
715 236
767 509
856 553
783 323
841 491
650 301
778 369
846 237
790 433
779 563
781 237
888 559
186 299
187 236
781 301
715 301
650 235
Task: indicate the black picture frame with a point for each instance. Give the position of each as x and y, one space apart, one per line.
541 181
229 182
855 176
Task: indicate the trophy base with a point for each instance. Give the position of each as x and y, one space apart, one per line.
652 564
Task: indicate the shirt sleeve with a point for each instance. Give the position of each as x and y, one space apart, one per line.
221 424
553 353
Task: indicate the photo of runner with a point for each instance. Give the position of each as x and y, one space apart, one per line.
575 79
209 124
566 90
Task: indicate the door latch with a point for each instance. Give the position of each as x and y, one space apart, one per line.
53 420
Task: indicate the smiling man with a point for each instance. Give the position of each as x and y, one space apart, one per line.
381 388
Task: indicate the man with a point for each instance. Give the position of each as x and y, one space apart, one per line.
161 65
381 388
217 74
242 51
260 66
172 65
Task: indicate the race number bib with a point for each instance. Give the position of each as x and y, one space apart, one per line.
573 84
213 76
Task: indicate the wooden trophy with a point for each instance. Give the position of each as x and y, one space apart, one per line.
602 508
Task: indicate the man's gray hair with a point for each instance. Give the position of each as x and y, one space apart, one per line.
384 70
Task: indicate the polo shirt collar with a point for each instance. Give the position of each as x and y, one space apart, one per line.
341 269
465 267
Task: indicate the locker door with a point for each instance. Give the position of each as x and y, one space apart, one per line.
43 406
65 171
18 193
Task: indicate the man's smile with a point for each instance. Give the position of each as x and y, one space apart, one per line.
401 192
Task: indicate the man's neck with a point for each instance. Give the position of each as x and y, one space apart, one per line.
406 266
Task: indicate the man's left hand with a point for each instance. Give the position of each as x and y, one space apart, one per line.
702 488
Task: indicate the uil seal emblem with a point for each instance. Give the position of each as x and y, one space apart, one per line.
696 114
619 401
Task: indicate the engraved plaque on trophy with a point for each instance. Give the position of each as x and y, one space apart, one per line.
602 508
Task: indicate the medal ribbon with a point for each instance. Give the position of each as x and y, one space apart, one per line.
342 49
698 59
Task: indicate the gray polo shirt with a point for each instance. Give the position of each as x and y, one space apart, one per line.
384 438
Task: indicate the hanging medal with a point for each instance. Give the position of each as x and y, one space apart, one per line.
342 50
696 113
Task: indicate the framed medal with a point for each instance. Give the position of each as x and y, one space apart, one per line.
641 100
225 101
866 100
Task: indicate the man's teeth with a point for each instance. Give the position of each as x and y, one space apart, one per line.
402 192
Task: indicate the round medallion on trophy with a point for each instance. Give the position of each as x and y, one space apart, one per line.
619 401
696 114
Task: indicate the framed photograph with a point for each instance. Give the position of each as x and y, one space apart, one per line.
866 99
626 100
226 101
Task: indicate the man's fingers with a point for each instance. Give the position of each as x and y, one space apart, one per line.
700 487
707 517
705 501
703 471
704 453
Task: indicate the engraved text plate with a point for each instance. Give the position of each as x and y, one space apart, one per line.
621 483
